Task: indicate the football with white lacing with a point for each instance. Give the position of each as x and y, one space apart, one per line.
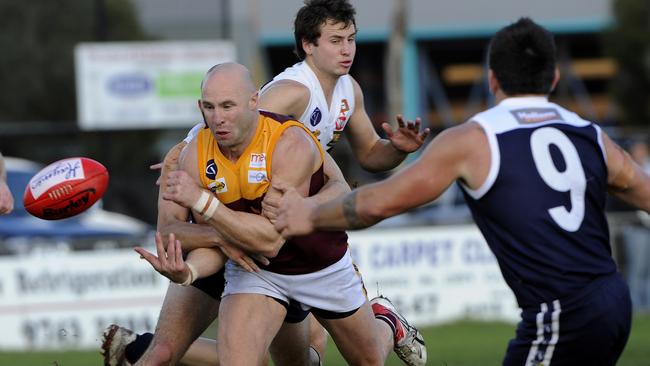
65 188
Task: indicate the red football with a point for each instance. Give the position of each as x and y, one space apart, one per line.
65 188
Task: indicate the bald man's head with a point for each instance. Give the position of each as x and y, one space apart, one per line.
229 104
233 73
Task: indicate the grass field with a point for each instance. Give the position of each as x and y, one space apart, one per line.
459 344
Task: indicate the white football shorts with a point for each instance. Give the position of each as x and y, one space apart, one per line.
337 288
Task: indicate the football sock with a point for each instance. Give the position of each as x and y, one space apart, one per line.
390 319
135 349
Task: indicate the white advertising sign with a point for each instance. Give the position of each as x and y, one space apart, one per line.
434 274
139 85
64 301
56 301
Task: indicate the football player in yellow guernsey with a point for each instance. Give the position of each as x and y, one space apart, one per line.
318 92
237 157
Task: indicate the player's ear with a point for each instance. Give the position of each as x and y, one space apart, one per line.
306 46
493 83
205 122
252 103
556 79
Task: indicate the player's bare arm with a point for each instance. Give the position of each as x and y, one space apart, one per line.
201 240
297 159
172 217
252 233
335 186
286 97
454 154
626 179
373 152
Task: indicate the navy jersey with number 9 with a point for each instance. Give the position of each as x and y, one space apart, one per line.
541 208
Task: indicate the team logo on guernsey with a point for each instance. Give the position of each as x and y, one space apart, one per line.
257 176
211 169
536 115
258 161
218 186
342 118
315 117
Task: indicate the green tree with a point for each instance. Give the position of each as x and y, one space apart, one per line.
628 42
37 39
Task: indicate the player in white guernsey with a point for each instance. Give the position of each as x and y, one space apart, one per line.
535 177
319 93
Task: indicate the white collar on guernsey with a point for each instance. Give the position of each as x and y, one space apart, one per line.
514 101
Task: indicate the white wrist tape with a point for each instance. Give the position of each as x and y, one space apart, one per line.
211 209
199 205
192 277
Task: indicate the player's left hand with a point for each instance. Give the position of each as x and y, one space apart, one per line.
295 212
407 137
168 263
181 188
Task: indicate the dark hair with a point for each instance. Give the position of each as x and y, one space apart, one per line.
314 14
522 57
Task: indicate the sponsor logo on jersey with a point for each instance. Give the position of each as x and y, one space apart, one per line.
315 117
536 115
256 176
211 169
342 118
258 161
218 186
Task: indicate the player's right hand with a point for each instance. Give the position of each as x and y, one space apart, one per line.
295 211
168 263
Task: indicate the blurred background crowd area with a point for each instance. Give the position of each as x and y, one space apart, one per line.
416 57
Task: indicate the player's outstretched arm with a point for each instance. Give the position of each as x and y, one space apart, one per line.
169 262
377 154
626 179
454 154
334 187
6 199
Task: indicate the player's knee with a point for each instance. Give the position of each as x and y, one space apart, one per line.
318 341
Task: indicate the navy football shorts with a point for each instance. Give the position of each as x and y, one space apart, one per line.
590 328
